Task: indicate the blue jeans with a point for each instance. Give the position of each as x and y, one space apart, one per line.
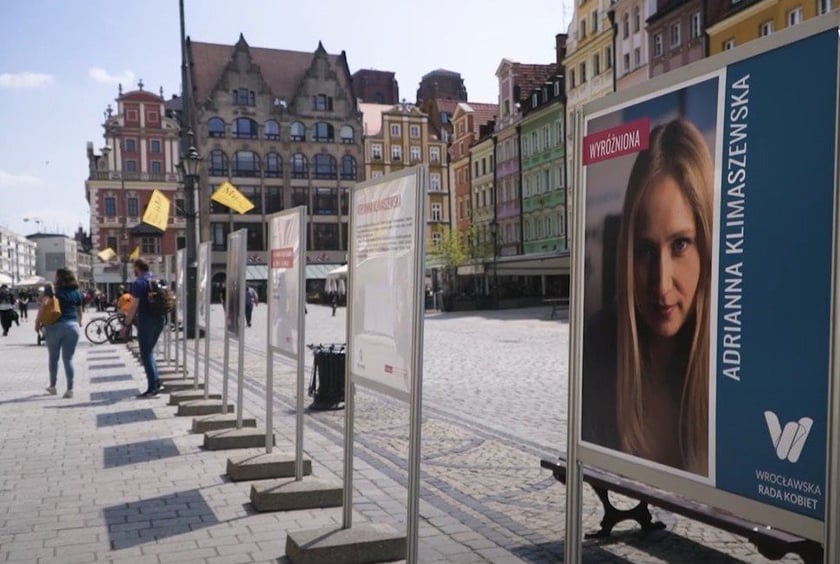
148 332
62 338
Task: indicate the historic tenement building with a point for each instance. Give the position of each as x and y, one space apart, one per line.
284 128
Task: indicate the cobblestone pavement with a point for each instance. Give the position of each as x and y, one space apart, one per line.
106 477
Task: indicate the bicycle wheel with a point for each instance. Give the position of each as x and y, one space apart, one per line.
114 327
96 331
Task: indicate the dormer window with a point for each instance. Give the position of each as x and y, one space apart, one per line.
244 97
535 99
322 103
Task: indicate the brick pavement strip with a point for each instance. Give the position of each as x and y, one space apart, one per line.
107 477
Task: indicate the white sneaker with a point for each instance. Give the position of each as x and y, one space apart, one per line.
68 394
51 391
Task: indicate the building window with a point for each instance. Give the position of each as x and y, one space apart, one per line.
436 239
547 179
434 182
254 195
637 58
155 146
637 19
344 200
582 29
626 59
556 88
696 29
322 103
596 65
348 136
273 199
326 201
396 152
272 130
348 168
130 146
582 73
150 245
434 154
728 44
110 206
246 163
594 21
273 165
546 137
560 132
437 212
376 174
657 45
218 163
157 168
111 243
625 26
376 151
823 6
571 79
180 243
414 153
131 165
766 28
299 166
535 99
324 166
395 130
794 17
526 150
219 233
297 131
675 35
300 197
244 97
244 128
414 131
608 58
216 127
254 235
326 237
323 132
179 207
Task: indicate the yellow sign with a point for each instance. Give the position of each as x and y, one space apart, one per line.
106 255
157 211
227 195
135 254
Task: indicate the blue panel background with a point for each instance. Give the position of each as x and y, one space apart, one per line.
787 267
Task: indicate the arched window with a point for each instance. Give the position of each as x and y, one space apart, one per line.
324 166
273 165
299 166
529 234
324 133
244 128
298 131
245 163
348 168
347 134
547 227
216 127
272 130
625 24
217 163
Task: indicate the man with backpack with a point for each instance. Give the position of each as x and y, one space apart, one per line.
150 317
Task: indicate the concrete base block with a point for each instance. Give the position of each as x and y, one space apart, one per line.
289 494
167 371
202 407
177 398
179 385
219 421
226 439
360 544
263 466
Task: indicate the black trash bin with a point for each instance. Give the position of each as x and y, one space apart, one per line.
327 384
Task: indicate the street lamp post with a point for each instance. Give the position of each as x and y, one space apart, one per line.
494 231
188 171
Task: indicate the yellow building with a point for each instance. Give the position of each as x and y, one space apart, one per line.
740 21
400 136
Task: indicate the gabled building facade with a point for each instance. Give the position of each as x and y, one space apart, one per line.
482 189
631 44
283 127
676 34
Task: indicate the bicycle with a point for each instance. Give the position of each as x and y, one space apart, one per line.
106 329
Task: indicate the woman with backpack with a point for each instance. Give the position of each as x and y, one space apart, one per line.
62 334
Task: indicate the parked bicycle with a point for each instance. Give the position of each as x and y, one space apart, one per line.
106 329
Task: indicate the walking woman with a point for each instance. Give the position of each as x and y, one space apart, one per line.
62 336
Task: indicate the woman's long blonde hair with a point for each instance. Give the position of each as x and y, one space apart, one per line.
676 149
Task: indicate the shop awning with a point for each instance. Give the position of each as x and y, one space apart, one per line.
256 272
318 271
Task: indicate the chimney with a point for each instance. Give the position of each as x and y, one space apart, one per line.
560 47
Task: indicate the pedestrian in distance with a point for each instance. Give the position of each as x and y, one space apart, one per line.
251 301
23 305
7 309
149 325
63 334
333 302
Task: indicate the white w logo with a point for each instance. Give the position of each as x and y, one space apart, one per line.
789 441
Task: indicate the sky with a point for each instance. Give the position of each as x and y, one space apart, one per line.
61 62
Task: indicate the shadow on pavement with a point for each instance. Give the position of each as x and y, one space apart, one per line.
664 546
149 520
124 417
98 399
540 313
114 378
134 453
35 397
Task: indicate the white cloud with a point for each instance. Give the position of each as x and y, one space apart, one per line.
25 80
102 76
11 180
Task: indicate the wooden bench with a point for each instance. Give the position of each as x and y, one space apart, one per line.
557 304
771 543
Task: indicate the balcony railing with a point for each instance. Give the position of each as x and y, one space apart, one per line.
134 176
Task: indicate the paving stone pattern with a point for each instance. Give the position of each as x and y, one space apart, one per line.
107 477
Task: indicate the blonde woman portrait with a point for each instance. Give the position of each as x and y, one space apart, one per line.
646 355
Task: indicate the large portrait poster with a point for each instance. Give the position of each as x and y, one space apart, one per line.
707 285
203 287
383 281
181 285
284 273
235 282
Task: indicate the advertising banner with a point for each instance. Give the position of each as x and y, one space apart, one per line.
235 282
203 287
284 274
383 266
707 285
181 285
